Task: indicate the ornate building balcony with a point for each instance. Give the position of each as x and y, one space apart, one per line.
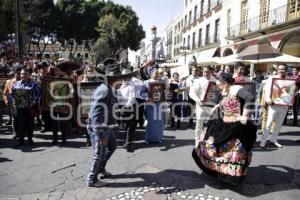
278 19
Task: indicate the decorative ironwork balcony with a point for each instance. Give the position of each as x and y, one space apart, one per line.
273 18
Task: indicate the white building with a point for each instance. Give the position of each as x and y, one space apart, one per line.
218 28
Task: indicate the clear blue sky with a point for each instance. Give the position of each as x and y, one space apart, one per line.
154 12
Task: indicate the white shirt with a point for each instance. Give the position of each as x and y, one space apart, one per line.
138 84
188 84
126 94
198 89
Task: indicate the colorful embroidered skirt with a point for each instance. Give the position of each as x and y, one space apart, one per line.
228 163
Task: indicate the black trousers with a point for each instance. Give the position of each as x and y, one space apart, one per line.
191 110
24 124
296 108
47 120
1 112
140 112
60 125
128 119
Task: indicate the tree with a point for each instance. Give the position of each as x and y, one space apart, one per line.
102 50
77 22
40 23
7 18
119 27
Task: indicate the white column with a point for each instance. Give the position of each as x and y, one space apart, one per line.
252 70
222 67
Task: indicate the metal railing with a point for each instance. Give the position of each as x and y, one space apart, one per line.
212 39
272 18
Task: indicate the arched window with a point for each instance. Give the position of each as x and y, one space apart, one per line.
294 9
264 12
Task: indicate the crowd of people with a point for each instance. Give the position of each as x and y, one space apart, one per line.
225 130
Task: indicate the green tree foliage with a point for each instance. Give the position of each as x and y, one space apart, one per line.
39 18
119 27
7 17
77 22
102 50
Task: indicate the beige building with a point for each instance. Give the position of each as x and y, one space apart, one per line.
55 50
219 28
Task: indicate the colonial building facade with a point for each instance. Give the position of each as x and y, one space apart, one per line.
219 28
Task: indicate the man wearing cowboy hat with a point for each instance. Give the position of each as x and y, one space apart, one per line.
102 125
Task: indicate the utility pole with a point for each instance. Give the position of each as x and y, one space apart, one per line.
18 38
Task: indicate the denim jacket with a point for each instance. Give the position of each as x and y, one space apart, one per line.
101 111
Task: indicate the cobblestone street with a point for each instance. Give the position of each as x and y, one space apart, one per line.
165 171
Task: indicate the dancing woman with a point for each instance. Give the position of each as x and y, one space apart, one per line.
224 151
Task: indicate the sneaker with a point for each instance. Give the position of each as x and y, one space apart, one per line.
15 137
88 144
19 145
97 184
145 123
44 130
8 123
30 142
262 144
106 174
276 144
54 142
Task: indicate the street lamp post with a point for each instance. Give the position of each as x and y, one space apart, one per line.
18 39
184 49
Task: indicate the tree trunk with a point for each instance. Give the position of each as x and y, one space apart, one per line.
75 50
38 46
44 48
29 45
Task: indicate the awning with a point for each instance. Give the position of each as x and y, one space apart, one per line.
284 58
229 60
171 64
206 56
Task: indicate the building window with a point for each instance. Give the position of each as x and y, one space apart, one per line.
217 30
244 16
190 17
184 42
208 5
294 9
188 42
86 55
207 39
228 21
200 38
195 13
186 3
264 12
78 55
194 41
185 21
201 7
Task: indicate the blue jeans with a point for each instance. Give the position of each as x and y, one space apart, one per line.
101 152
1 112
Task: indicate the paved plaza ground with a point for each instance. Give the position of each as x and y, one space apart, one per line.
162 171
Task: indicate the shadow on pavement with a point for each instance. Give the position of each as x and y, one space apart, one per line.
292 133
10 143
261 180
169 142
5 160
